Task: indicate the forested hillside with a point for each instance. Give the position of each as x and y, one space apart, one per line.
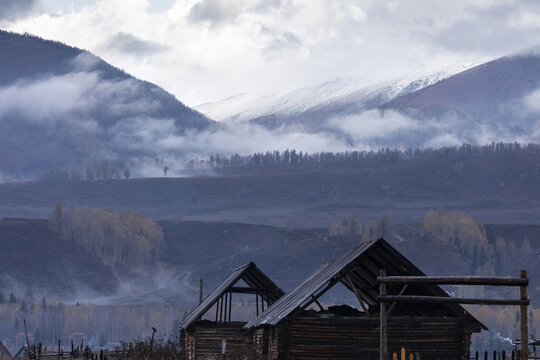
62 106
495 183
44 280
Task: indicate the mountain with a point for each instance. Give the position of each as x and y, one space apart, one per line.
313 106
61 106
495 101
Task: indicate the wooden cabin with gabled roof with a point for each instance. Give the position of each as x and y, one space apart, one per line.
291 329
205 328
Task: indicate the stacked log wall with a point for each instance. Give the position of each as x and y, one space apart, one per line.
204 341
354 338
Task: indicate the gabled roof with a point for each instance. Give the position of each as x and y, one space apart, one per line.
358 270
251 275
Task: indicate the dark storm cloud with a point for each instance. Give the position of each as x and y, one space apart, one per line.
14 9
130 44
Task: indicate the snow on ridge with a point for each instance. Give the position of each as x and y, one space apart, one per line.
341 90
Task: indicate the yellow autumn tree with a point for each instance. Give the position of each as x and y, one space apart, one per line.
129 238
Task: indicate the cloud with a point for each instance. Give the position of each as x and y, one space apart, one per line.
216 11
276 41
491 27
46 99
532 101
132 45
442 140
14 9
373 124
217 48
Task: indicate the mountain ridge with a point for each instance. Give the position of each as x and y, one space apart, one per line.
61 106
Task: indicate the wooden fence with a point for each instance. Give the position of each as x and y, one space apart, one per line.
522 282
494 355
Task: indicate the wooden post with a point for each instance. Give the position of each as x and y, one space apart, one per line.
27 342
230 305
221 308
411 357
257 303
217 309
200 291
152 342
403 353
524 325
383 351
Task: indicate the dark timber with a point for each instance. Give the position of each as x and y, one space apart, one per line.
202 338
383 298
297 329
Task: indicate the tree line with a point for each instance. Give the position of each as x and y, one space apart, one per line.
49 321
292 156
100 169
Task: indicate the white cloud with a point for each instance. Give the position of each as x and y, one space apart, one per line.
217 48
444 140
373 124
47 99
532 101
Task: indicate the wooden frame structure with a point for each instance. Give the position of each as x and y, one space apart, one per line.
384 298
202 338
292 329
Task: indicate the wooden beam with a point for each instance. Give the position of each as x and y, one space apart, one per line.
318 303
321 293
524 324
444 299
383 347
455 280
394 303
355 290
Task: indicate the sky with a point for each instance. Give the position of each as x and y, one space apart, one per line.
207 50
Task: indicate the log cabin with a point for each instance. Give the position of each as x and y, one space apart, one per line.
297 326
210 327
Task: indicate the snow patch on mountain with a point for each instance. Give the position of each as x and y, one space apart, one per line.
343 91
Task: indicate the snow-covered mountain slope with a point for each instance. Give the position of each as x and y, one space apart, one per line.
313 106
495 101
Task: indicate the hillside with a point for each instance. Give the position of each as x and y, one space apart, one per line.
35 259
492 101
494 189
313 106
61 106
